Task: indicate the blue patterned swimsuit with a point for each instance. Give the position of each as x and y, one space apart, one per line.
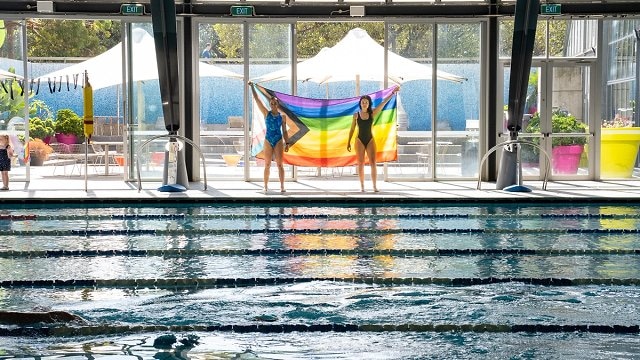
274 128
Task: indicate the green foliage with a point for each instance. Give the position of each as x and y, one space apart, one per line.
230 39
561 122
51 37
411 40
68 122
270 41
208 34
558 32
11 36
9 106
38 108
313 36
458 41
40 129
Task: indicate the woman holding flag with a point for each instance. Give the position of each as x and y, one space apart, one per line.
274 146
365 143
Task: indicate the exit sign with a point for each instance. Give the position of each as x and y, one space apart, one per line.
550 9
132 9
242 10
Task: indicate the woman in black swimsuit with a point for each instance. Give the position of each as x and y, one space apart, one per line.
365 143
6 152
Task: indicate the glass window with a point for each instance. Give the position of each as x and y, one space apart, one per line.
57 64
222 118
620 132
269 51
506 38
555 38
13 117
456 146
572 38
620 97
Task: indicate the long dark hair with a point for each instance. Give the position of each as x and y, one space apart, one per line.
369 110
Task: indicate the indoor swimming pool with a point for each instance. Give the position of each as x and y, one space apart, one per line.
322 281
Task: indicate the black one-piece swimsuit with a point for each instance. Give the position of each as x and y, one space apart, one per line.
364 130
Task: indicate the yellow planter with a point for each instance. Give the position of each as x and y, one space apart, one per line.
619 148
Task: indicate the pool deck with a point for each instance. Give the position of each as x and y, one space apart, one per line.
112 188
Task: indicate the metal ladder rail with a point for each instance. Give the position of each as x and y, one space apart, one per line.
146 144
509 142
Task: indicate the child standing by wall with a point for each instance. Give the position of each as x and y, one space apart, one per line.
6 153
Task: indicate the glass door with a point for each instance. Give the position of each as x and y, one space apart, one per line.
557 118
568 117
144 115
15 125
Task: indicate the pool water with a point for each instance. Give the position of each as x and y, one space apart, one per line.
323 281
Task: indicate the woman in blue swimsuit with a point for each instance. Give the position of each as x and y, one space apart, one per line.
274 146
365 144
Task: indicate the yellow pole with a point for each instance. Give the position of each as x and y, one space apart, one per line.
87 97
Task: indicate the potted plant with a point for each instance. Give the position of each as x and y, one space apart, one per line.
41 124
41 129
619 143
69 127
565 151
38 152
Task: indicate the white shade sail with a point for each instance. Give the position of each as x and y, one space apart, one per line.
105 69
8 75
358 57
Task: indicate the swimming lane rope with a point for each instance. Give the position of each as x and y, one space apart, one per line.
92 330
232 216
188 253
208 283
324 231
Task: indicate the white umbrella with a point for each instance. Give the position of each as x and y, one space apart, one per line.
8 75
105 69
358 57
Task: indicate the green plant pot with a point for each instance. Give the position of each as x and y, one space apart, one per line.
618 151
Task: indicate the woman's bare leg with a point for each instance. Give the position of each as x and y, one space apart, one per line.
360 151
279 154
371 155
268 155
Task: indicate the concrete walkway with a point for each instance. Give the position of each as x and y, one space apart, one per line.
105 188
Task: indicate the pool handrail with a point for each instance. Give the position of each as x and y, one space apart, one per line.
170 136
517 141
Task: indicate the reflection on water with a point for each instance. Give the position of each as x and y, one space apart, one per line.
389 275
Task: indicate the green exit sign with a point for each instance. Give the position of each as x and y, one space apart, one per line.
242 10
550 9
132 9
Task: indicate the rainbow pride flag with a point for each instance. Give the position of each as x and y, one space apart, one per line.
318 129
